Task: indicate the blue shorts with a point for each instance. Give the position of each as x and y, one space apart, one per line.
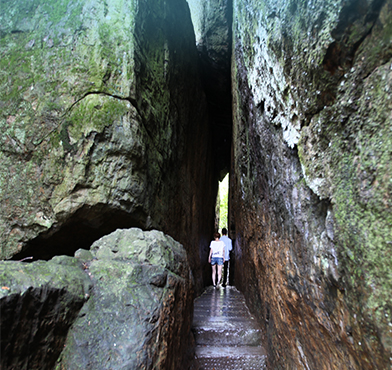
217 261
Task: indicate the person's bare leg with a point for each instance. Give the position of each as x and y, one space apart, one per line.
213 274
219 273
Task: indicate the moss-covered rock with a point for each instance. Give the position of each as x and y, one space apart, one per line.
140 310
69 71
313 171
126 302
103 125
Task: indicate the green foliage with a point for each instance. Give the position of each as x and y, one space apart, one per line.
224 200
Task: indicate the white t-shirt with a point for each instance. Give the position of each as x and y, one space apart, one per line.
229 246
218 248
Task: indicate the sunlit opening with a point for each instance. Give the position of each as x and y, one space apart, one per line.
223 202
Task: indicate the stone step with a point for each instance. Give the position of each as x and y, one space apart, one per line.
227 336
229 363
229 351
227 358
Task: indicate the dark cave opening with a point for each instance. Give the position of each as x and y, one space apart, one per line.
86 226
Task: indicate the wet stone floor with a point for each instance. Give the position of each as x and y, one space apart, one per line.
227 336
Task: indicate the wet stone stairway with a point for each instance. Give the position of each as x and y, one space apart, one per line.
227 336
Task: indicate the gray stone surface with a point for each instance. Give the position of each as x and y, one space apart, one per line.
140 310
126 303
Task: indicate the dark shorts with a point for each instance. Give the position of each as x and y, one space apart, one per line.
216 261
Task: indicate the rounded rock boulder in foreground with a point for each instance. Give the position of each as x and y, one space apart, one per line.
139 312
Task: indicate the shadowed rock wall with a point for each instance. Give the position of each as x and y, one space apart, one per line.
103 124
311 178
38 303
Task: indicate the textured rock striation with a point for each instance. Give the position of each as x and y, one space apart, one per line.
104 124
38 304
311 178
125 303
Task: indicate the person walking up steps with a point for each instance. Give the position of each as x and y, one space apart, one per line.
228 248
216 258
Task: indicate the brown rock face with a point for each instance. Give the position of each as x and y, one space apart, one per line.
310 179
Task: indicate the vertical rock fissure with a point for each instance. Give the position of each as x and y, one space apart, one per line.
212 22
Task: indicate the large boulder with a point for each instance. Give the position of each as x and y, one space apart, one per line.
126 303
140 311
103 125
311 178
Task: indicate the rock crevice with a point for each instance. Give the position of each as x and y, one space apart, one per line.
117 114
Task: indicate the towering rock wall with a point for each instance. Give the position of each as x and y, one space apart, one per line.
103 125
311 178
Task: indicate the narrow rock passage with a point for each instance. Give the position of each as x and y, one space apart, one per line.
227 336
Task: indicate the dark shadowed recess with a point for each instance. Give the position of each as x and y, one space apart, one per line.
34 327
217 85
341 53
216 79
86 226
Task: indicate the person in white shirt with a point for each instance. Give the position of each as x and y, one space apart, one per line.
228 248
216 258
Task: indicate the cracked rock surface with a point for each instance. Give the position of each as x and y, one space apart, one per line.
39 302
139 314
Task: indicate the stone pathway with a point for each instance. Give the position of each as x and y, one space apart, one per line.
227 336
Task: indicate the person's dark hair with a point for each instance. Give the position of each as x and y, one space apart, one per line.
216 235
224 231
